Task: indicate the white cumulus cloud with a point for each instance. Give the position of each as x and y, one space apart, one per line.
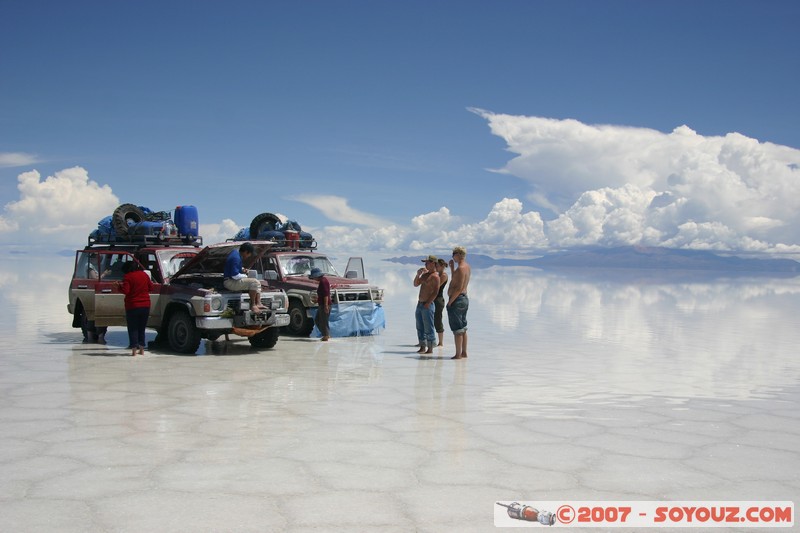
63 207
612 185
590 185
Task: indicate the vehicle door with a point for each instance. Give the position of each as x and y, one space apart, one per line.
109 302
151 264
355 268
84 280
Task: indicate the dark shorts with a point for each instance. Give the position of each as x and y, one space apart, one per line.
437 314
457 315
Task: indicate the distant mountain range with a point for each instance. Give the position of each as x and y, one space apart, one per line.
639 257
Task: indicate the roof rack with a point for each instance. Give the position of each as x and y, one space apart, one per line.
284 245
310 247
145 240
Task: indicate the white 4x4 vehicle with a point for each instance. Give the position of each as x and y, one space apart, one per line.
188 302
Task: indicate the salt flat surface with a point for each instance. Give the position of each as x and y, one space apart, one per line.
575 388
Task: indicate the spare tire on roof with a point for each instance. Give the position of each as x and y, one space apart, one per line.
263 222
124 216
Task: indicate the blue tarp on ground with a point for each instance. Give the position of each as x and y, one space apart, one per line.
354 319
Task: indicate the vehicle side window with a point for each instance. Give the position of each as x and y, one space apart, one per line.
271 264
112 266
151 264
86 267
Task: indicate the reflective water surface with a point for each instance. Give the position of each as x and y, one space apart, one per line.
622 385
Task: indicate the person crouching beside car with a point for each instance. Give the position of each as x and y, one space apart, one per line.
136 286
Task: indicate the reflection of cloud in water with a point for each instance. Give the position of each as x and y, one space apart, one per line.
731 338
551 343
35 294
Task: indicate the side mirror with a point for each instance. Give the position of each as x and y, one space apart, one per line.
351 274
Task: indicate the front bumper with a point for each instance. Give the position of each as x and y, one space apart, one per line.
207 322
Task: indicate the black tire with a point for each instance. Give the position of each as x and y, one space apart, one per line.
161 338
182 333
266 339
87 328
122 215
263 222
299 323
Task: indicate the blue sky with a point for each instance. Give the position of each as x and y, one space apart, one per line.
409 125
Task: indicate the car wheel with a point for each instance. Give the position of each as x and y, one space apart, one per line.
123 214
87 328
266 339
299 323
182 333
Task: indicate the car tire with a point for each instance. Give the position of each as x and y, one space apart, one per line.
182 334
299 323
263 222
87 329
265 340
121 216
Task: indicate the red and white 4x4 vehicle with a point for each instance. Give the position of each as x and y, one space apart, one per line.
188 302
357 308
289 269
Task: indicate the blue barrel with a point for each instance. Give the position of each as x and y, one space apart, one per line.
186 221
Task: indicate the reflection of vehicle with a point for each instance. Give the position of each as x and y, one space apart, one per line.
188 302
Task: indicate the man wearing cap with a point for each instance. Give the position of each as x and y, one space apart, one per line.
457 300
323 302
427 279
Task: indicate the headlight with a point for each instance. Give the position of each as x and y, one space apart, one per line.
216 304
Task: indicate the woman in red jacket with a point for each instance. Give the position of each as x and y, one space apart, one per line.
136 286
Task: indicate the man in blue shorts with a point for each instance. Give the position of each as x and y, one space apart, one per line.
457 301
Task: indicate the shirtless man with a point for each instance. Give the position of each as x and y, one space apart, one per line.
458 303
427 279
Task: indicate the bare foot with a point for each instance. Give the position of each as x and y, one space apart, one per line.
421 350
458 357
429 350
440 344
325 338
141 351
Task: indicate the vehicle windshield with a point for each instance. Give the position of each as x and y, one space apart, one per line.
301 265
173 260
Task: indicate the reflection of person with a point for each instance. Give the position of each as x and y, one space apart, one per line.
323 302
439 301
457 302
237 280
428 282
136 286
